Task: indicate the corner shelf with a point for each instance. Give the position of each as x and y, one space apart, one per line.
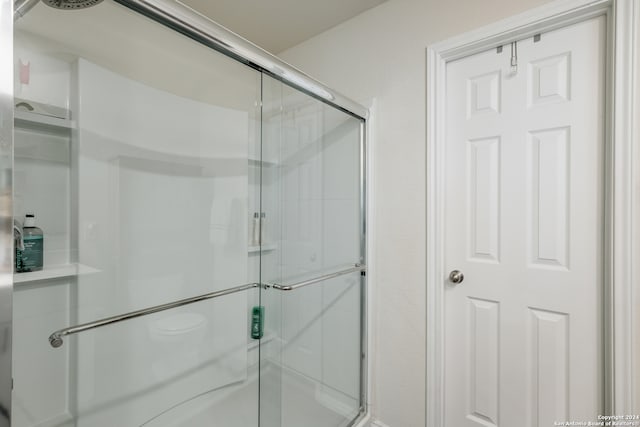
35 120
264 163
267 337
53 272
265 248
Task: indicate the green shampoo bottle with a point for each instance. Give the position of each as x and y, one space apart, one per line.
31 257
257 322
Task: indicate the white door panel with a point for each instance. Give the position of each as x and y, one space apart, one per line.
524 160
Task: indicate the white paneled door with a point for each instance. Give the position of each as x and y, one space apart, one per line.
524 214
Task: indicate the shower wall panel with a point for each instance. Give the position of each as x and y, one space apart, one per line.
43 392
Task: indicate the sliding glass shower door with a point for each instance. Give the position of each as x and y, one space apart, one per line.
202 255
312 178
136 150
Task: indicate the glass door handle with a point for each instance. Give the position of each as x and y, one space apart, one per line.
357 267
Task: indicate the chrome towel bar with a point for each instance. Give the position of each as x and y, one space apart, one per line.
356 268
56 338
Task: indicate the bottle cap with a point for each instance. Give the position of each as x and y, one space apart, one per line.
29 220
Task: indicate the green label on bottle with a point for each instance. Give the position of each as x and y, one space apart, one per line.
30 259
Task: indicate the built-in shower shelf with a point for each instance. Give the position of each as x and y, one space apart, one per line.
268 337
54 272
34 120
264 163
265 248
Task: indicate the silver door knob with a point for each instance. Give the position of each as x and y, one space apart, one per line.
456 276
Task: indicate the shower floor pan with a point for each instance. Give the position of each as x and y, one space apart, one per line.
289 400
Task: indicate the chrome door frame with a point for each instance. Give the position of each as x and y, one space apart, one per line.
200 28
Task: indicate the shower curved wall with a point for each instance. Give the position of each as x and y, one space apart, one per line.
203 213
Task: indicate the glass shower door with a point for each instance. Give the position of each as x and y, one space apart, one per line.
312 362
203 234
137 150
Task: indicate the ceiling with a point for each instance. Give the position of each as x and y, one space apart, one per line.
276 25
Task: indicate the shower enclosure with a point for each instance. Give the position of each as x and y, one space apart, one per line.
203 213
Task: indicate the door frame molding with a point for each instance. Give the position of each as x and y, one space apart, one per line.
622 198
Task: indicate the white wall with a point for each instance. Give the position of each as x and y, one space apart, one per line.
381 54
